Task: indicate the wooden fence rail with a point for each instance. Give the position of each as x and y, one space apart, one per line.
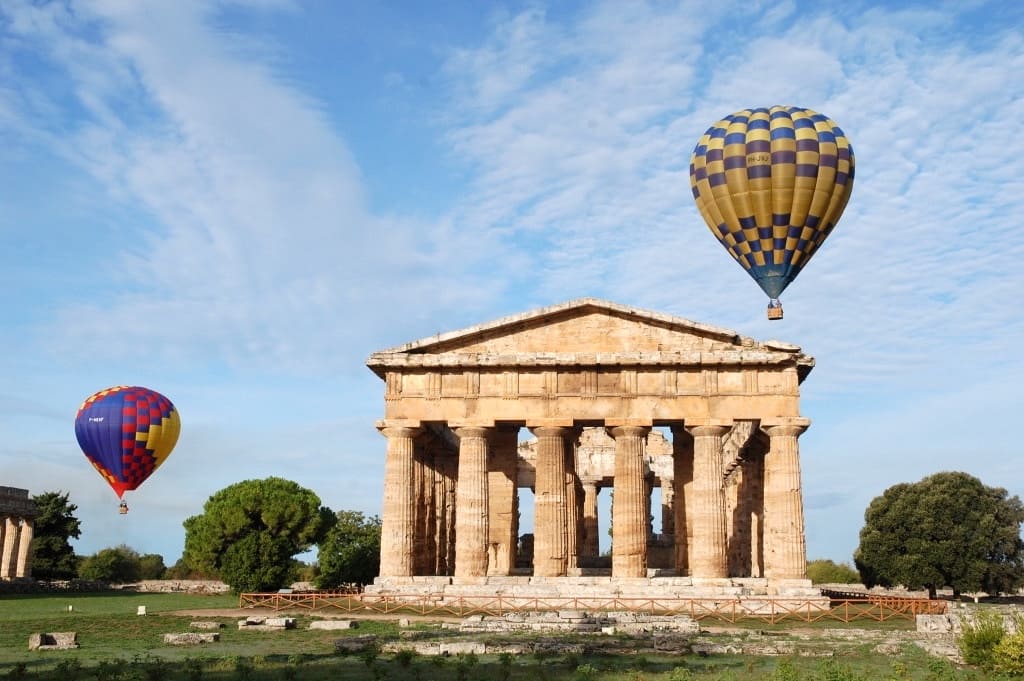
771 610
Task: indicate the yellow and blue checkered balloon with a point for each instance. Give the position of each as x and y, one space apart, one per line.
771 184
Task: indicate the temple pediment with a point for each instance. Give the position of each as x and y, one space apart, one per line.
592 332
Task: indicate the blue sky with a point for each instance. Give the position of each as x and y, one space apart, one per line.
235 203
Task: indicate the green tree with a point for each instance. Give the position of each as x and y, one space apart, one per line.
825 571
117 565
350 553
949 529
53 530
151 566
249 532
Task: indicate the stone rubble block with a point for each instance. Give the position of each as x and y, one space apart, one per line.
190 638
354 644
463 648
266 623
56 640
333 625
206 624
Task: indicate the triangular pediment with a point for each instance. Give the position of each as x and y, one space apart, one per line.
585 327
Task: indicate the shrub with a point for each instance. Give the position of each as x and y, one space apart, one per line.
824 571
979 637
585 672
1008 654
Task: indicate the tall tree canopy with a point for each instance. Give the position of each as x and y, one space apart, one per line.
249 531
53 530
350 553
948 530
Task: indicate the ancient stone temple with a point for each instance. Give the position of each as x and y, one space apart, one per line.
17 516
573 399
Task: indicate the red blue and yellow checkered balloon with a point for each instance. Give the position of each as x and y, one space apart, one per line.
771 184
127 432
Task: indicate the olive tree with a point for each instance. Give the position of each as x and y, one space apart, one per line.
948 530
249 532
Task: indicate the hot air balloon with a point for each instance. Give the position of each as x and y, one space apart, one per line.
126 433
771 184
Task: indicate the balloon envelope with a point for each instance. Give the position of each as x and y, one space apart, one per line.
127 432
771 184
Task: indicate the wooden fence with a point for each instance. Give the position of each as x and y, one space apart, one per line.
767 609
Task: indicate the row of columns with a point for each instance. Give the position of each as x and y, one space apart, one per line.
565 515
16 542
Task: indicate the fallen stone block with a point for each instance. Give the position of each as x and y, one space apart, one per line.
463 648
206 624
190 638
332 625
354 644
56 640
266 623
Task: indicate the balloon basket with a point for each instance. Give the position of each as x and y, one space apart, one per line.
122 509
774 312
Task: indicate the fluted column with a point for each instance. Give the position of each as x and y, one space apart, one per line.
629 513
573 505
668 509
471 527
398 517
682 482
444 500
7 566
550 533
590 548
502 500
24 568
785 547
708 556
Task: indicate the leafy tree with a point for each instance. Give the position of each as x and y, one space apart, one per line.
946 530
53 529
824 571
249 532
350 553
118 565
151 566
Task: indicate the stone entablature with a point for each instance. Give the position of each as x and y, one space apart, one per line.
590 380
17 516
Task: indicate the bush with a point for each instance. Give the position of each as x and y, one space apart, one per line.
824 571
1008 654
979 638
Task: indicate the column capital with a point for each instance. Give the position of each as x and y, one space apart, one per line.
708 430
786 429
473 431
390 431
550 431
618 431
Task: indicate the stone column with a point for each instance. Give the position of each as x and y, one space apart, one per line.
550 531
7 565
471 527
24 568
668 509
419 534
629 513
398 517
573 505
708 556
426 511
590 548
444 494
682 483
501 499
785 548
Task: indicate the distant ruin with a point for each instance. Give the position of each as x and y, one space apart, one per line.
17 519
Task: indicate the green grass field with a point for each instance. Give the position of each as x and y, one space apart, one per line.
116 644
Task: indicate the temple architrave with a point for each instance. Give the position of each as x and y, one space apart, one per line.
579 399
17 517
